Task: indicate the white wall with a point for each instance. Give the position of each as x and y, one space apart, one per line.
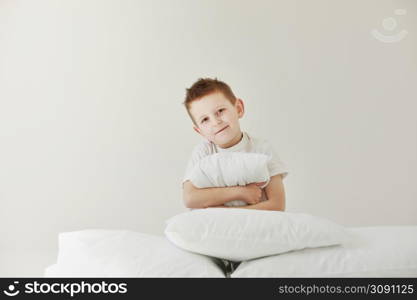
93 133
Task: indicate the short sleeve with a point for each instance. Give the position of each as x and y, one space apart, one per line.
275 165
198 153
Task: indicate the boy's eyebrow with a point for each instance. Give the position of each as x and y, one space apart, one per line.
214 109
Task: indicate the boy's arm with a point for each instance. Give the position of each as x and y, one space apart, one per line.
275 194
209 197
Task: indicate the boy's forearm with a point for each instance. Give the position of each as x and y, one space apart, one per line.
215 196
269 204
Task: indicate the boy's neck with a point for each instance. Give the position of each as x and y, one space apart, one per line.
234 143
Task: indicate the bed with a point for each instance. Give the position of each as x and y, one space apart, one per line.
236 242
382 251
379 251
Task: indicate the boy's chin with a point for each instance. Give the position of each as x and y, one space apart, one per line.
223 143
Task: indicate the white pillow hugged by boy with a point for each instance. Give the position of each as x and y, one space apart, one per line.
251 160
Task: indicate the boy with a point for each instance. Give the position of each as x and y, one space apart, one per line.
215 113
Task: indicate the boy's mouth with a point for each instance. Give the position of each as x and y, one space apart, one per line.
222 129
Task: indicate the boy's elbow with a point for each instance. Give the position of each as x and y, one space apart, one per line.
190 196
277 205
188 200
279 208
191 202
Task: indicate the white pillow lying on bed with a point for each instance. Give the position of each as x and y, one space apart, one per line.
381 251
123 253
231 169
239 234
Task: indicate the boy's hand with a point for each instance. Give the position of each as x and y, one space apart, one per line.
252 193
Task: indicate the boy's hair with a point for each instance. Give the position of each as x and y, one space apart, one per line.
203 87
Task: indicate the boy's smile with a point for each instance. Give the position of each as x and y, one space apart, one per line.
217 119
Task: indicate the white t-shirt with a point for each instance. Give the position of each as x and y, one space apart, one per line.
246 144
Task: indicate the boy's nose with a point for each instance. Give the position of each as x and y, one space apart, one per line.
217 120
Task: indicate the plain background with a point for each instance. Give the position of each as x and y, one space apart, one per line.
93 133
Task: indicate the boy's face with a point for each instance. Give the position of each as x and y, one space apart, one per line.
217 119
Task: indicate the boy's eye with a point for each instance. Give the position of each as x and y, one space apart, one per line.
205 119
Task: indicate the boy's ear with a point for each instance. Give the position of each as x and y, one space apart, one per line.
197 130
240 107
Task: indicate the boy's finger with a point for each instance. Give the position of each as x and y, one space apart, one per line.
261 183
